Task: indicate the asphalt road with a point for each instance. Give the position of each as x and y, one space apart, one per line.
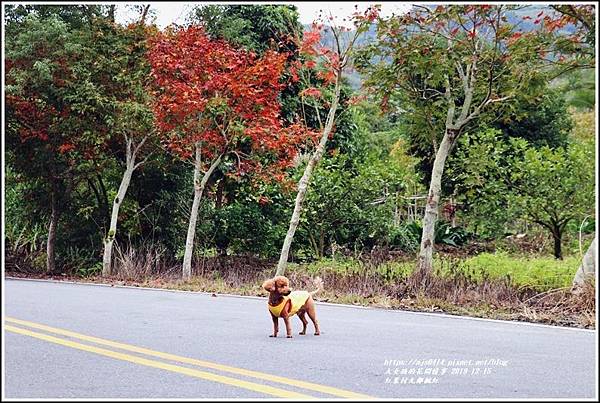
60 342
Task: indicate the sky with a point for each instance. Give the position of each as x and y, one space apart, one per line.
175 12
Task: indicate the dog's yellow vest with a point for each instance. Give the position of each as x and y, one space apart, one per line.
298 299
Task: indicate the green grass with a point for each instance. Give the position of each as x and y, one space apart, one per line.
539 273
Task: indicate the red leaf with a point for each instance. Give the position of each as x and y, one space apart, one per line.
311 92
206 90
310 64
66 148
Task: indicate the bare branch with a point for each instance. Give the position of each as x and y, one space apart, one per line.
318 112
142 162
491 101
140 144
144 14
238 158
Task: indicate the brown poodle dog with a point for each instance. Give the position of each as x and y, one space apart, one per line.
285 303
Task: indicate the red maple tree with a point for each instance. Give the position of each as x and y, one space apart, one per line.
213 101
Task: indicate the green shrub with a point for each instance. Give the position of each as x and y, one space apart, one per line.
448 235
392 271
344 266
408 235
79 261
38 262
90 271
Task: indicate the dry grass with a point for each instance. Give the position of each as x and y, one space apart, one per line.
143 262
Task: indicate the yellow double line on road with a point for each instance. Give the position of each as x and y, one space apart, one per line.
269 390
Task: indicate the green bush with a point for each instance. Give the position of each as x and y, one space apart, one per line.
448 235
79 261
90 271
38 262
408 235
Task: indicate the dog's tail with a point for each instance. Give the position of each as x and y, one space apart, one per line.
319 284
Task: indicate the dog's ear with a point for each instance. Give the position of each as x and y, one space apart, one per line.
268 285
282 281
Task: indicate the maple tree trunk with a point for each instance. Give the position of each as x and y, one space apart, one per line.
56 198
52 226
110 237
101 199
425 259
199 186
587 269
303 184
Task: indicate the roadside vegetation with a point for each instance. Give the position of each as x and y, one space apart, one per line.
458 179
498 285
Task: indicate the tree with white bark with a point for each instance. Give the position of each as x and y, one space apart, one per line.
133 149
464 63
133 120
334 61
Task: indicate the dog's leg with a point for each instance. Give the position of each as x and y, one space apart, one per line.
286 318
301 315
288 326
275 326
312 314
